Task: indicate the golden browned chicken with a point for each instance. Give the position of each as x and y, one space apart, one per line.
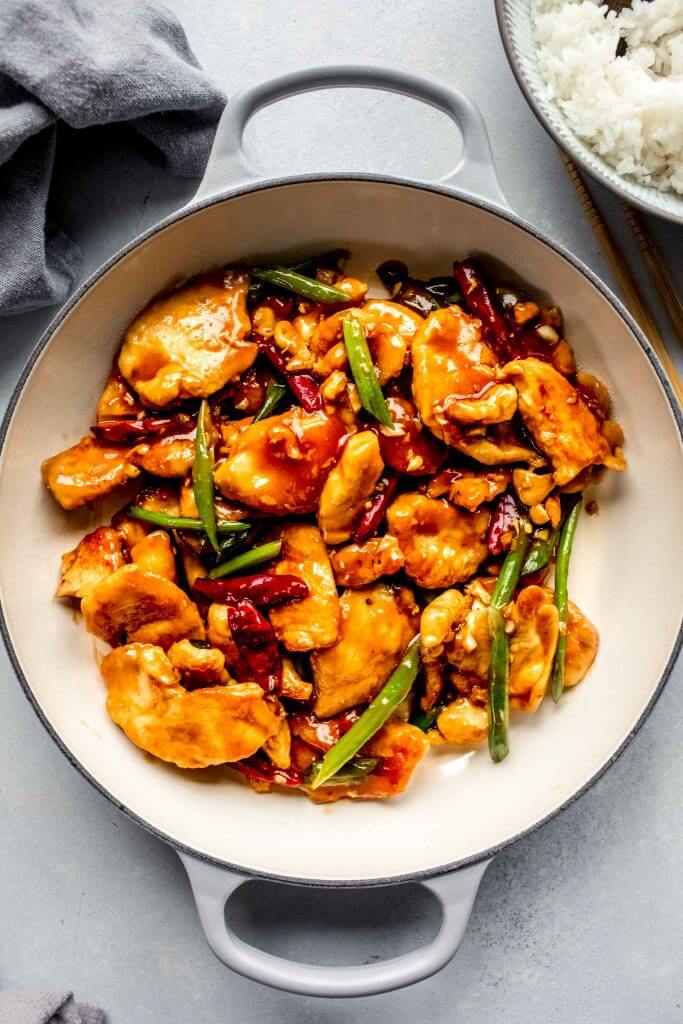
463 723
193 729
190 342
442 545
314 622
94 558
559 420
399 747
87 471
439 622
390 330
142 607
455 370
356 565
535 630
198 665
348 486
169 457
378 623
467 488
280 464
154 553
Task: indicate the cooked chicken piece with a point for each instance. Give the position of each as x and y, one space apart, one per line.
406 446
293 686
218 634
438 624
532 624
154 553
390 329
559 420
470 649
198 666
532 488
160 497
193 567
169 457
535 622
314 622
497 403
279 465
468 489
117 401
463 723
278 747
356 565
348 486
498 445
378 623
399 748
442 545
193 729
130 530
454 367
93 559
87 471
582 645
190 342
145 608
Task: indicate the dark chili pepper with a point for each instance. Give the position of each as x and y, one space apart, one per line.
302 385
262 665
371 519
444 290
414 295
332 260
130 431
281 304
479 299
260 660
247 624
258 768
502 526
264 588
319 733
392 274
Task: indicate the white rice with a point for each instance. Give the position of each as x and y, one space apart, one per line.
628 109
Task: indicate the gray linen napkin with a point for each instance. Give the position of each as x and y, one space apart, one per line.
46 1008
85 62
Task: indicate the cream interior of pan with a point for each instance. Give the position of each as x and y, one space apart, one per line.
625 572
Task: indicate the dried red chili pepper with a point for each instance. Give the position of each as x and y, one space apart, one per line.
322 733
479 300
264 588
260 660
502 526
281 305
302 385
258 768
371 519
127 431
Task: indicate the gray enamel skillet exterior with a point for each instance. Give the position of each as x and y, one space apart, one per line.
454 884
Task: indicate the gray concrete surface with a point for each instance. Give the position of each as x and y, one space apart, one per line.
581 922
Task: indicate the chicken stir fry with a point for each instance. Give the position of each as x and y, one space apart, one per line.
346 513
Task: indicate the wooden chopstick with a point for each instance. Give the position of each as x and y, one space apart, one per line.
625 279
657 268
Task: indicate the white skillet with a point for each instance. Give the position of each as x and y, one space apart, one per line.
460 809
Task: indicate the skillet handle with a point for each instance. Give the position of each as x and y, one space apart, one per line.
212 886
474 173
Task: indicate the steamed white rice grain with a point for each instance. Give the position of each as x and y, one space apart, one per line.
629 109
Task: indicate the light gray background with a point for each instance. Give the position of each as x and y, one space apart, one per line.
581 922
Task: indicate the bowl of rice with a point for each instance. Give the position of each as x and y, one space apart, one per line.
606 80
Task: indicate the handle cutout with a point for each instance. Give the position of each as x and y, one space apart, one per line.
342 130
330 927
